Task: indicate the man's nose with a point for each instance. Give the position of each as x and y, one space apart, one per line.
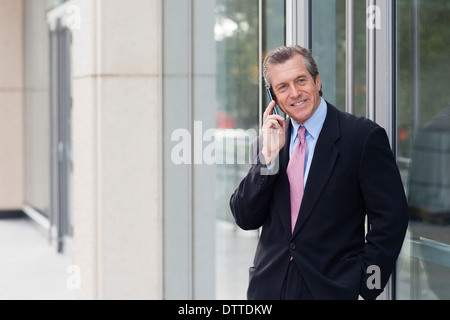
294 91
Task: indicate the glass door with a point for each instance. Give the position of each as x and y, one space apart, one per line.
423 270
244 32
212 100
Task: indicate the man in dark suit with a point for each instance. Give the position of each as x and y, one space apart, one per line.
317 176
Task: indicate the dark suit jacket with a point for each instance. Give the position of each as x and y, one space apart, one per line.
353 174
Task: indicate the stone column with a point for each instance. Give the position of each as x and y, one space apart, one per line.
11 106
115 205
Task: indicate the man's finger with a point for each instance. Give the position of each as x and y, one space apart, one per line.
273 123
269 109
275 117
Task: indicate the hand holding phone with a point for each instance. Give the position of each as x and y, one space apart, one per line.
274 138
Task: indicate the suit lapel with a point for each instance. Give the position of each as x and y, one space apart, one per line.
325 155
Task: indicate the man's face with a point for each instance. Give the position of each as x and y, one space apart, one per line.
296 92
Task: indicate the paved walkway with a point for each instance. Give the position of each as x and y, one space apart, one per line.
30 268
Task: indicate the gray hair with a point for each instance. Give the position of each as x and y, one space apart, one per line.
282 54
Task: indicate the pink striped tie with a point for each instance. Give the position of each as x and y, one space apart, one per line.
295 172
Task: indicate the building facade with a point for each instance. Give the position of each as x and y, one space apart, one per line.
125 127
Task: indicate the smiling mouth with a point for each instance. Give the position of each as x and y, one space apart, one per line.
298 104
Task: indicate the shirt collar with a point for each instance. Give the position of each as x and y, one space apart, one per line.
314 124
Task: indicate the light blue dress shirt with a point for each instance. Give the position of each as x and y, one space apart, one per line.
313 127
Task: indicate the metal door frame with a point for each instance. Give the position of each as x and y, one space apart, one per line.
60 113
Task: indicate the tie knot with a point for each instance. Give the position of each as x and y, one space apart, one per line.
301 132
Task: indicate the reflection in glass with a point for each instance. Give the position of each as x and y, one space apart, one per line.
328 47
329 50
237 36
423 270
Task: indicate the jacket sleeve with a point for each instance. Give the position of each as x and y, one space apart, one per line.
386 209
250 202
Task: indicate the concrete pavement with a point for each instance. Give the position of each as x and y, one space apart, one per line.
30 268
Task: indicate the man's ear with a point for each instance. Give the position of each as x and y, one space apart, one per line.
318 82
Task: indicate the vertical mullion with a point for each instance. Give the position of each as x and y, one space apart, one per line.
190 89
391 112
415 67
308 26
291 25
370 83
60 123
161 150
350 57
53 133
260 59
394 77
298 23
303 29
382 79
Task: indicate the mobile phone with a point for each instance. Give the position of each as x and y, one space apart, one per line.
269 91
275 111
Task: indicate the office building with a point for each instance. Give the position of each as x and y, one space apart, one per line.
125 128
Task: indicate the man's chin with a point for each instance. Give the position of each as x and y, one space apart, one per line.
299 116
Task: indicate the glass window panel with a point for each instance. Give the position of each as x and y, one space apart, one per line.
213 90
37 106
237 65
423 269
237 34
328 47
329 50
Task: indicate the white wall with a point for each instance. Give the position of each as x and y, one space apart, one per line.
11 106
